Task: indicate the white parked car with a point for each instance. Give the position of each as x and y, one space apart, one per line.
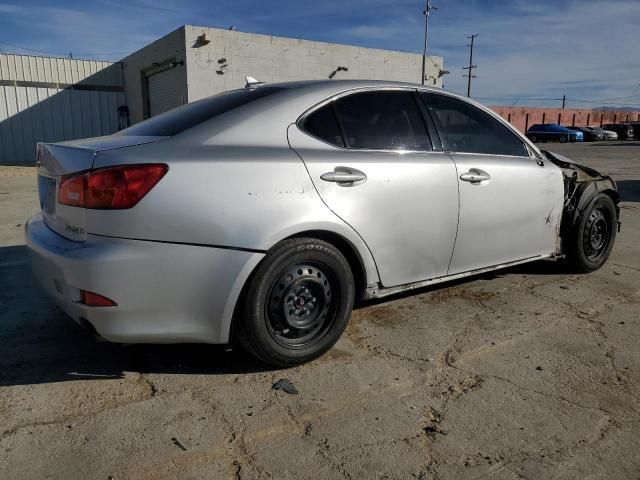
608 134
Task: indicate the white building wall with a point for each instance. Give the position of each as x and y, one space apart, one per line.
137 66
277 59
54 99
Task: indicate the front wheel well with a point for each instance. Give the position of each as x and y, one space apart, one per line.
615 196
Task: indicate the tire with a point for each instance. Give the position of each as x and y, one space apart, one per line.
533 138
563 139
594 235
297 304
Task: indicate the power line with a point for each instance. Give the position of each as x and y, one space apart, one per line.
60 53
578 100
601 102
538 99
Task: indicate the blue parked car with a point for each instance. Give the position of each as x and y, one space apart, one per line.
552 132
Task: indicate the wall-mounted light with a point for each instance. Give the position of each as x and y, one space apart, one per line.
222 66
202 40
339 69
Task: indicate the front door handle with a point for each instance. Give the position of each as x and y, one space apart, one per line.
475 176
344 175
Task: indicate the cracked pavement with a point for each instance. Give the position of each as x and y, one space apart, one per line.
531 372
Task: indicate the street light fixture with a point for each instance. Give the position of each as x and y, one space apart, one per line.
427 10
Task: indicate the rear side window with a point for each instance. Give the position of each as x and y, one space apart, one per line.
323 124
465 128
382 120
187 116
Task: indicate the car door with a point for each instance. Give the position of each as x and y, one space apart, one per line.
371 160
510 202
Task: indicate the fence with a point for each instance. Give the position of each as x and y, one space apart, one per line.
523 117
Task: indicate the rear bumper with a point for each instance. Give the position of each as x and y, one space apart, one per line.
165 293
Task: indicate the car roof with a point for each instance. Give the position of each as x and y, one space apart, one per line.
328 88
339 85
274 113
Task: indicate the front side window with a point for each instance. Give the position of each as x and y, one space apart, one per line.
382 120
466 128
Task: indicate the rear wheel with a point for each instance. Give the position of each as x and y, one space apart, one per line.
594 235
563 139
297 304
534 138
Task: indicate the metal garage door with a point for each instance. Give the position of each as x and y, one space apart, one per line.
165 91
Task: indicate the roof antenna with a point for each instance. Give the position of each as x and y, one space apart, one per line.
252 82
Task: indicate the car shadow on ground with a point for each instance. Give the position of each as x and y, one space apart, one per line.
40 344
542 267
629 190
614 143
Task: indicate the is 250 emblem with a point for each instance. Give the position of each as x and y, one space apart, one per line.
74 229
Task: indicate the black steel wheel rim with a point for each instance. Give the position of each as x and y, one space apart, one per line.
301 306
597 234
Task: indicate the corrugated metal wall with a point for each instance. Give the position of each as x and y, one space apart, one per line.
54 99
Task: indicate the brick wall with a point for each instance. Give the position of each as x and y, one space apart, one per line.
523 117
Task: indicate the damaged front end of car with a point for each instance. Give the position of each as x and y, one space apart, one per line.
581 184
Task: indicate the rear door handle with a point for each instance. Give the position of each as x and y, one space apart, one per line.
344 175
475 176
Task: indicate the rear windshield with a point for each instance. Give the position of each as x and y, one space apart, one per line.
187 116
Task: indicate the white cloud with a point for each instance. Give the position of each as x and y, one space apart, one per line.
586 48
87 34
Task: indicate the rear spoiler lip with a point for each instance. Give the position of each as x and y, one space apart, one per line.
109 142
76 152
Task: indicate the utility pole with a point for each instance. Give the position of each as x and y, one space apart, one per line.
471 66
564 101
426 12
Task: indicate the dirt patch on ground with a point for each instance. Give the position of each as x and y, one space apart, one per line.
472 295
545 383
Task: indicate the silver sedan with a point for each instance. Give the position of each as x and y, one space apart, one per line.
262 214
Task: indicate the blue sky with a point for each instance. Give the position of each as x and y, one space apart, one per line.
586 49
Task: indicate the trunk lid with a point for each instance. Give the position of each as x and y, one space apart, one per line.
55 161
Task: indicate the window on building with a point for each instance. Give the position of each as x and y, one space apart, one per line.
323 124
382 120
466 128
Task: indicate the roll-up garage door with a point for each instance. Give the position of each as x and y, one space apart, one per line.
165 91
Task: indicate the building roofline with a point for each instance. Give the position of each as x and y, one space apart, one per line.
311 40
79 59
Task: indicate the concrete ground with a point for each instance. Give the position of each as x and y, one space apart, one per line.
527 373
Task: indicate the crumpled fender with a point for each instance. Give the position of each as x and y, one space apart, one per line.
581 184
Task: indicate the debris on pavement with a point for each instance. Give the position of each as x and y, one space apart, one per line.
177 443
285 385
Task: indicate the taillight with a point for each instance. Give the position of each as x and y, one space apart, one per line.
71 191
110 188
94 300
